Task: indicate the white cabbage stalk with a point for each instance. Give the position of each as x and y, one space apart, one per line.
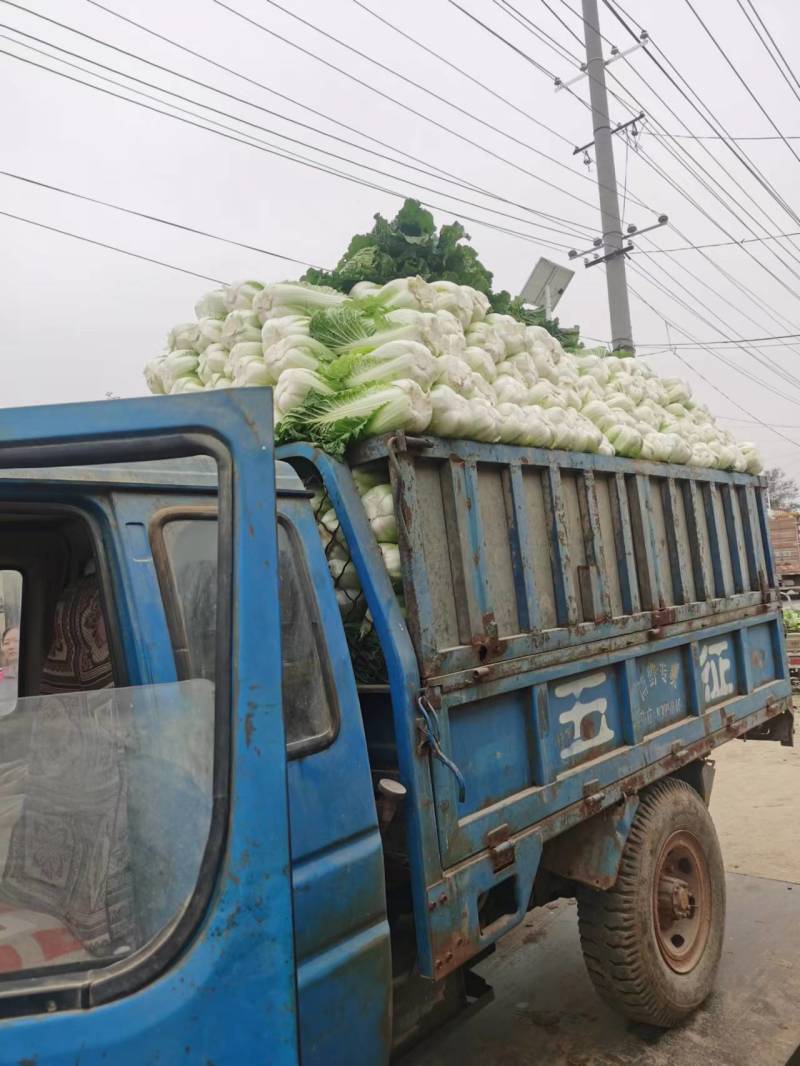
513 333
244 353
295 352
455 299
295 298
241 325
398 405
509 390
545 365
524 366
389 362
483 335
241 294
479 388
364 289
293 388
626 440
187 383
454 372
484 420
480 362
212 305
209 331
379 505
450 339
391 559
451 414
152 375
278 329
213 361
178 364
253 373
510 423
413 293
537 432
183 337
480 304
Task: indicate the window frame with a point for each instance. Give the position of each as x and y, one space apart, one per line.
175 622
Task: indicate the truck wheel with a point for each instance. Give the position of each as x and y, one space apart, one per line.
652 943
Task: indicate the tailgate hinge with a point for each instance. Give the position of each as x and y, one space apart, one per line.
502 850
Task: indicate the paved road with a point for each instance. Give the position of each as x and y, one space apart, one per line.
545 1011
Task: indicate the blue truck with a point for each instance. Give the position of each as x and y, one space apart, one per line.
223 839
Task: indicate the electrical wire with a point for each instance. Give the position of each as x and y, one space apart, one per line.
566 26
493 33
418 114
722 244
237 118
253 142
693 369
112 247
774 43
460 70
212 88
539 35
154 218
745 84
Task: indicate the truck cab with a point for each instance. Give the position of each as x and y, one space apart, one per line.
219 841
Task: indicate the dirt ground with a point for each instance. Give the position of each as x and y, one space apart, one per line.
756 808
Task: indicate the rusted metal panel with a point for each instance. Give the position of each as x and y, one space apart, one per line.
677 560
698 543
563 582
647 563
592 851
522 550
626 556
594 591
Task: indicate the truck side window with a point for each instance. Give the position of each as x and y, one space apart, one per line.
309 701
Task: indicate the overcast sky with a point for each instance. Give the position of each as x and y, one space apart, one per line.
79 321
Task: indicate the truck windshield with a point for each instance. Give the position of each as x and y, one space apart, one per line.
309 702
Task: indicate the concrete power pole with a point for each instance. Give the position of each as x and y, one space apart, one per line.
618 306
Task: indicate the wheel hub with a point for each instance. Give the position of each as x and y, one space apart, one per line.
682 901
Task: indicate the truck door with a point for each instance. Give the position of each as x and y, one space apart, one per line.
145 900
342 943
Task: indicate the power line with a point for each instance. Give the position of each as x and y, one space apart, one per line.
253 142
743 81
722 244
488 29
718 137
406 107
560 20
460 70
700 374
232 96
774 43
539 34
112 247
154 218
766 47
255 125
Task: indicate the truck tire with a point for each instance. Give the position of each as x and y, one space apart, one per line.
652 943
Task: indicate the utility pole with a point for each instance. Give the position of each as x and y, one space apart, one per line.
618 305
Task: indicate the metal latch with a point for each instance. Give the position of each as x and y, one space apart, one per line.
502 850
431 738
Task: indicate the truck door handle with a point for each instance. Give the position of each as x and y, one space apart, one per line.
431 738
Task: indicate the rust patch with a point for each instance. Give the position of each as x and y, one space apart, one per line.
588 727
758 658
249 728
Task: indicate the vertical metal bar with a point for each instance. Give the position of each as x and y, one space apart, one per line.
734 548
631 718
747 510
709 491
545 768
412 551
519 533
563 583
644 546
694 527
769 562
744 669
623 544
677 560
596 587
694 685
